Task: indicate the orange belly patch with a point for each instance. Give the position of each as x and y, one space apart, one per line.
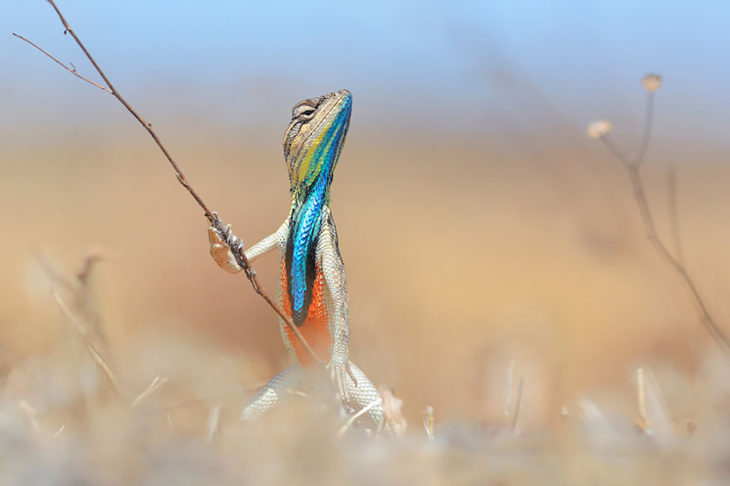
315 327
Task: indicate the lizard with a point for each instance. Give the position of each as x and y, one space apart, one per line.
313 290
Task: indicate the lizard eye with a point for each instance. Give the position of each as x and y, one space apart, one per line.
303 111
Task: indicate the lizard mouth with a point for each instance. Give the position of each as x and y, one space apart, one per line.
330 107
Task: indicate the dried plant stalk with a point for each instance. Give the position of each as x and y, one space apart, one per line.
234 243
632 164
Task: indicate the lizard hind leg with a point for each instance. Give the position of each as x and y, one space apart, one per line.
270 395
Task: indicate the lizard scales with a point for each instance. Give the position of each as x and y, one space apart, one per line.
313 279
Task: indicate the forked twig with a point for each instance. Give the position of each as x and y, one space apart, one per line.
233 243
94 352
71 69
632 165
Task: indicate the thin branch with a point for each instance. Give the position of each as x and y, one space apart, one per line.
646 134
212 217
640 194
71 69
633 167
236 245
148 126
620 156
674 213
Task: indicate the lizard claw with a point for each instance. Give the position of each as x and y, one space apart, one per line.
351 374
342 377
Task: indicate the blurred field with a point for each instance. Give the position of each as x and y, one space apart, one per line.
463 255
498 270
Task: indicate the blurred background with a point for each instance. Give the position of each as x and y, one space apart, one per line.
478 223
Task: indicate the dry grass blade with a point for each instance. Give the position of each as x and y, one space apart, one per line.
509 388
654 418
213 420
518 404
643 422
343 430
156 383
428 422
217 396
60 430
31 414
93 351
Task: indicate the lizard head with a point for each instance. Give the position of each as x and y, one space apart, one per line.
314 139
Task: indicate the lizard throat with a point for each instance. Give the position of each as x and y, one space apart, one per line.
305 224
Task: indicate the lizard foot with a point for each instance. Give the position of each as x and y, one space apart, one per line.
343 378
220 252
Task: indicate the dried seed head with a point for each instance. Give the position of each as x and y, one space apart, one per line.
599 129
651 82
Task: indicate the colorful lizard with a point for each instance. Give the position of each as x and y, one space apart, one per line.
313 282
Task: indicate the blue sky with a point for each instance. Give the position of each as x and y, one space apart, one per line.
455 64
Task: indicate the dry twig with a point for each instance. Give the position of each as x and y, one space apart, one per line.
80 322
72 69
234 243
601 131
673 212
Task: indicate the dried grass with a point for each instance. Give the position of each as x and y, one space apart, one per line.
179 431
